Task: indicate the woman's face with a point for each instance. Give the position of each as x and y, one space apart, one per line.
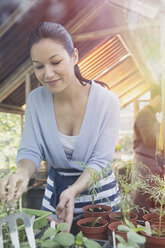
53 66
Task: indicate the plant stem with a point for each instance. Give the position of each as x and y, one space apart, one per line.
160 217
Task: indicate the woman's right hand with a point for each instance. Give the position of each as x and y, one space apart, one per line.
13 186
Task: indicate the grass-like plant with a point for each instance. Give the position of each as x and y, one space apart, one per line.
156 190
129 179
94 186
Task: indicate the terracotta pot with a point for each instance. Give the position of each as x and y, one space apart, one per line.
104 215
113 227
99 232
153 218
118 216
154 241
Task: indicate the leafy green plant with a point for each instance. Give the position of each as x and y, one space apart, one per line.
134 240
58 238
124 172
156 190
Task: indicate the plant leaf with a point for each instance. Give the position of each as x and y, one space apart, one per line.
135 238
123 228
50 244
62 226
121 239
79 238
65 239
91 244
122 246
48 233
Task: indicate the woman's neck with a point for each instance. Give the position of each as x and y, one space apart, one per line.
72 93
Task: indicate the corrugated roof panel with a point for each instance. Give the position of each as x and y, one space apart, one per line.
119 71
102 57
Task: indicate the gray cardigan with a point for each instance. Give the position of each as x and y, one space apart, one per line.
96 141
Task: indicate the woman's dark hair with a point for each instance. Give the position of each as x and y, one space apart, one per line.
57 32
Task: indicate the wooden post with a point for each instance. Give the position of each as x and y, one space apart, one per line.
27 85
162 35
22 124
136 108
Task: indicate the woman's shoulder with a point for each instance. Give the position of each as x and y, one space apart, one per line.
38 94
104 94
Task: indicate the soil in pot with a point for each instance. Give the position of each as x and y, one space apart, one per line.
97 232
118 216
97 211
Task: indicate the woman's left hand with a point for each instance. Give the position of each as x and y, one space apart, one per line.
65 208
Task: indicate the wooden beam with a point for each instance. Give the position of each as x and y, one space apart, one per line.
17 15
11 109
106 32
162 46
136 108
22 123
142 8
84 16
137 55
15 79
127 99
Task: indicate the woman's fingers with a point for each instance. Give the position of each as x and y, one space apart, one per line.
21 188
3 185
12 184
61 206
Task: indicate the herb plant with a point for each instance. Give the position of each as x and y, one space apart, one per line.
156 189
127 185
94 186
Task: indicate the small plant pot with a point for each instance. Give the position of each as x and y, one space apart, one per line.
118 216
99 211
154 241
97 232
113 227
153 218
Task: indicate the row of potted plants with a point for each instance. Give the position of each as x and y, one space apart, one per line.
101 216
109 222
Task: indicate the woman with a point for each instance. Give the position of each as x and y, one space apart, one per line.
69 121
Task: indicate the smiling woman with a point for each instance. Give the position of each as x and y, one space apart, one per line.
69 121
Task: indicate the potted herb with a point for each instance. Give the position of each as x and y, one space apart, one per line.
156 189
97 210
94 224
124 171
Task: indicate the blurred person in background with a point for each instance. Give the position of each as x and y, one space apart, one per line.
145 141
